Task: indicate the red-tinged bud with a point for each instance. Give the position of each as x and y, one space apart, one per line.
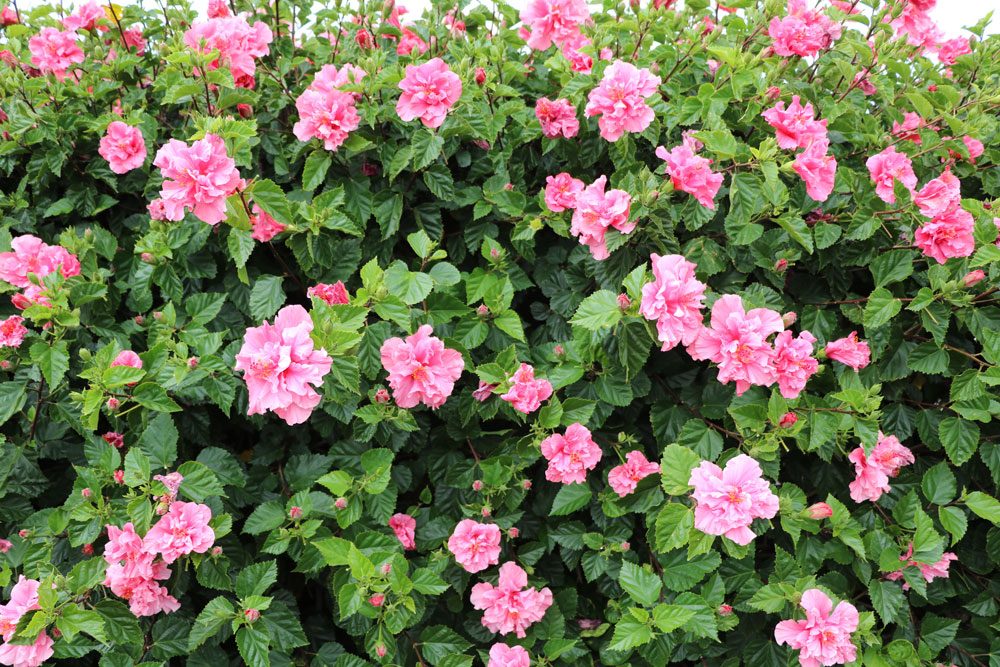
820 511
157 315
788 420
623 301
369 169
558 350
483 310
725 610
386 568
480 76
382 396
376 600
788 319
20 301
56 632
216 551
340 503
251 615
626 546
86 493
245 110
192 362
781 265
87 550
773 93
295 513
5 365
5 546
509 187
8 16
364 39
932 88
513 533
973 277
494 253
477 485
487 512
482 143
147 258
115 439
380 650
118 476
24 533
988 205
139 319
113 404
588 623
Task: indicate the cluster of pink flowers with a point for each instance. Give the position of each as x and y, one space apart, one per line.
626 477
32 256
325 111
237 42
526 394
123 147
475 545
430 90
570 456
950 230
824 637
405 528
872 472
803 32
23 598
797 127
554 22
281 366
595 211
136 564
330 294
690 172
421 369
198 177
510 606
12 331
502 655
728 500
264 226
54 52
673 300
929 572
557 118
620 100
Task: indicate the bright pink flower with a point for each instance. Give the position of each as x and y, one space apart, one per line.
156 209
421 369
950 50
929 571
8 16
823 638
570 456
405 528
561 192
948 235
817 169
484 391
329 116
198 177
803 32
620 100
691 173
429 92
133 572
331 295
526 394
12 332
788 420
939 195
674 300
172 481
54 51
597 211
849 351
907 130
330 78
475 545
127 358
510 606
737 342
218 9
5 546
557 117
281 366
85 18
30 255
872 472
23 598
796 126
237 42
182 530
123 147
974 146
553 21
625 477
886 168
409 42
863 83
502 655
134 39
572 50
846 6
793 362
265 227
728 500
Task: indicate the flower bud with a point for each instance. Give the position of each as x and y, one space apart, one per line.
788 420
369 169
376 600
245 110
626 546
382 396
480 76
477 485
364 39
526 484
789 318
380 650
386 568
5 546
157 315
773 93
973 277
509 187
623 301
87 550
725 610
588 623
5 365
558 350
216 551
494 253
513 533
139 319
115 439
86 493
781 265
251 615
483 310
24 533
486 511
113 404
147 257
932 88
118 476
340 503
192 363
295 513
820 511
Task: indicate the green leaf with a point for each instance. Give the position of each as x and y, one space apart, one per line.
937 632
598 311
881 308
675 469
240 244
438 642
159 441
960 439
210 621
892 267
954 521
52 360
630 633
888 599
670 617
199 482
153 396
642 585
672 527
253 642
265 517
12 398
569 499
377 464
314 171
939 485
266 297
271 199
426 147
74 619
984 505
136 467
256 578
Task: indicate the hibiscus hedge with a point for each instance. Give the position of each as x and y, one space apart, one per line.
554 336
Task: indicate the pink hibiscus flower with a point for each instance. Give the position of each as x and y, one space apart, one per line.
32 256
55 52
557 118
85 18
939 195
886 168
198 177
331 295
872 472
948 235
796 126
510 606
526 394
561 192
728 500
818 169
823 638
950 50
849 351
12 331
626 477
429 92
620 100
596 212
691 173
123 147
502 655
475 545
803 32
405 528
673 300
421 369
793 362
265 227
23 598
182 530
325 111
239 45
570 456
553 21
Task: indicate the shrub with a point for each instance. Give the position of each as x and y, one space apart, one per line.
667 336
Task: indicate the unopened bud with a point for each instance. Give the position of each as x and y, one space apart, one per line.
725 610
626 546
118 476
113 404
623 301
526 484
139 319
773 93
251 615
147 257
24 533
382 396
973 277
340 503
376 600
369 169
87 549
386 568
477 485
513 533
216 551
295 513
483 310
245 110
559 350
788 420
380 650
788 319
192 362
781 265
494 253
820 511
480 76
486 511
86 493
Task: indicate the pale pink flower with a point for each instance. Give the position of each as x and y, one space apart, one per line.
572 50
553 21
281 366
265 227
625 477
872 472
198 177
330 78
133 572
127 358
134 39
929 571
737 342
796 126
239 45
971 279
597 211
570 456
793 362
907 130
55 52
948 235
561 192
172 481
329 116
484 391
620 100
12 331
218 9
8 16
32 256
864 83
429 92
939 195
728 500
950 50
802 32
421 369
691 173
85 17
526 394
23 598
156 209
409 42
823 638
673 300
557 118
887 167
849 351
5 546
182 530
846 6
510 606
475 545
974 146
817 169
502 655
405 528
123 147
331 295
